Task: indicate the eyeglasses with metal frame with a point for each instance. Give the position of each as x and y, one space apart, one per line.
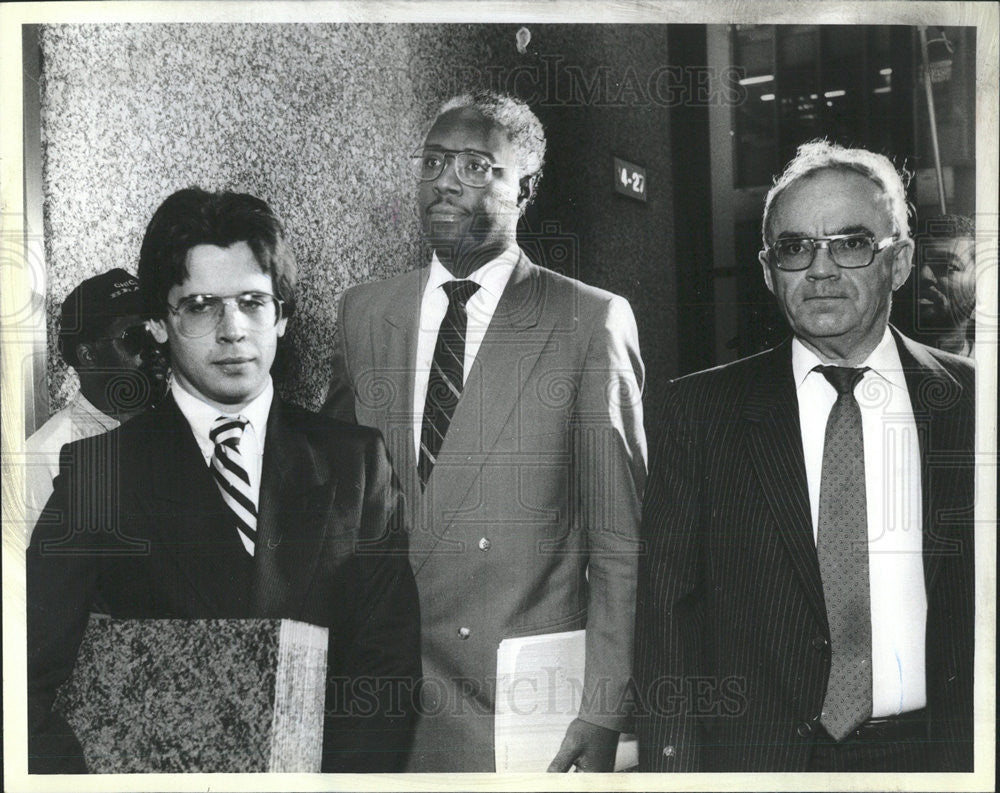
472 168
199 315
848 251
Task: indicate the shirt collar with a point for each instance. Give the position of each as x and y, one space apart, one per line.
883 361
83 406
492 277
200 415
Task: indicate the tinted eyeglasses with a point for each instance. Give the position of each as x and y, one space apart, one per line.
849 251
199 315
134 339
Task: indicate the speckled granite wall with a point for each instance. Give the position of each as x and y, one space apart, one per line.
317 120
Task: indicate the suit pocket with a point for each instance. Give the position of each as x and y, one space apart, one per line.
535 623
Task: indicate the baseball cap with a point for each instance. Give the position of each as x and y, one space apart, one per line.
92 306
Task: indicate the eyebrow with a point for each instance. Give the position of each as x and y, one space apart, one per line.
481 153
218 294
936 256
843 230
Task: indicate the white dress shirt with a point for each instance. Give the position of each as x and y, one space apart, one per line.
492 278
894 511
78 420
201 416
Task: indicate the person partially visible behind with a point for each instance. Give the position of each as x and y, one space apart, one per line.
946 266
122 371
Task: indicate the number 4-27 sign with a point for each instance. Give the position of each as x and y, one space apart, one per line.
629 179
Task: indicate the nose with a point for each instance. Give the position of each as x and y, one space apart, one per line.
447 181
230 326
927 274
822 266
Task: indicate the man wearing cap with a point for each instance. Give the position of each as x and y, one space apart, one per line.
121 371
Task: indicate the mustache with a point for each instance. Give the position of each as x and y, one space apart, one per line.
932 293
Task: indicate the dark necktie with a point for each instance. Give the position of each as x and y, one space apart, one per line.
842 547
444 386
232 478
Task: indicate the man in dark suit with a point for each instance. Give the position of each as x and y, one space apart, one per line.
806 590
510 400
224 501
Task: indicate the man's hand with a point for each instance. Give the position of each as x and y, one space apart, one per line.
588 747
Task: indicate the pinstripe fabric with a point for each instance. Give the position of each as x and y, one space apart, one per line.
732 642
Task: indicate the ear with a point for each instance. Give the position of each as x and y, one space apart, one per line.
282 324
158 327
902 263
766 265
85 355
526 191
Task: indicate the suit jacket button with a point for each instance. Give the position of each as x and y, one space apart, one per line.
484 544
820 642
669 751
804 729
464 633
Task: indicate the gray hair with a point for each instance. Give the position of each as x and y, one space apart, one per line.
525 130
818 155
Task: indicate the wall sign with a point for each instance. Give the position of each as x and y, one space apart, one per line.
629 179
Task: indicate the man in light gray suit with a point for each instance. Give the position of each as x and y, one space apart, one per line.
509 397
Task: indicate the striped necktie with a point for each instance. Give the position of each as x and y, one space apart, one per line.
842 547
444 386
232 478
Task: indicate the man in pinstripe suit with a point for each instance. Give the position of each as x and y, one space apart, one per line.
751 652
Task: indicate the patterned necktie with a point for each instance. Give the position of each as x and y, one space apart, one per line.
232 478
842 547
444 386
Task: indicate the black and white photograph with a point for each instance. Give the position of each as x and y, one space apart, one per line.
452 395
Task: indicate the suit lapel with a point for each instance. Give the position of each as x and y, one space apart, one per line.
933 392
296 496
774 443
491 395
394 339
196 528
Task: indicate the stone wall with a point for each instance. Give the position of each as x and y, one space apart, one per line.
318 120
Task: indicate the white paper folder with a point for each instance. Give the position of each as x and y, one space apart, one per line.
539 689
